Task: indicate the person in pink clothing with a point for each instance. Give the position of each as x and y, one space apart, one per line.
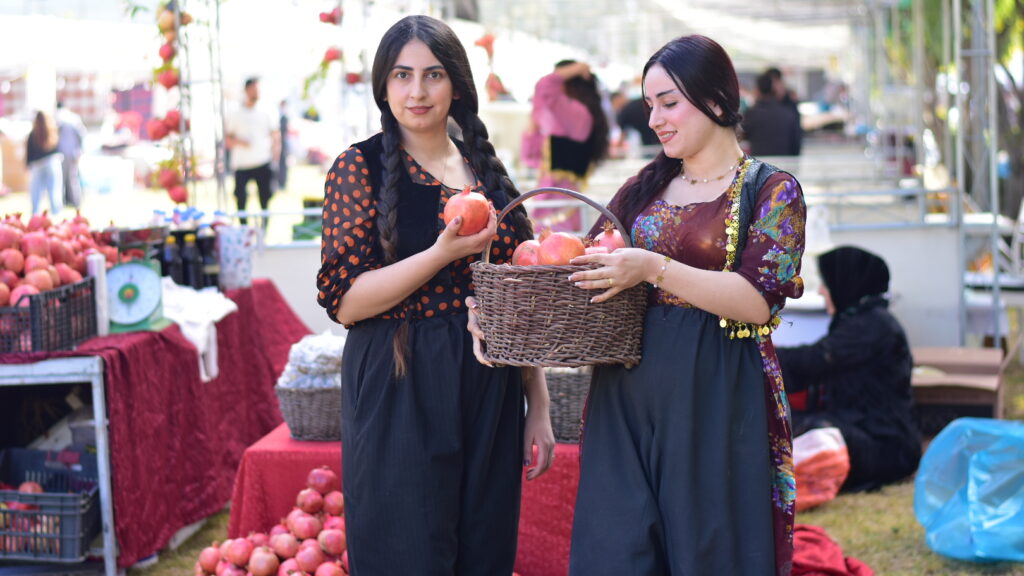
569 134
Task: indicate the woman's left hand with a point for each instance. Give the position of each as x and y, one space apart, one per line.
622 269
473 325
538 433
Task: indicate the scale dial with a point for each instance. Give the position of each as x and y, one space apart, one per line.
133 290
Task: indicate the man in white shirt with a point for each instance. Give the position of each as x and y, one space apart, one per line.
252 137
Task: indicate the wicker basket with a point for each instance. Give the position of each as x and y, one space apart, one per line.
311 413
567 388
533 315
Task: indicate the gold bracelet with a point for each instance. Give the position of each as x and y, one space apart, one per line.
661 274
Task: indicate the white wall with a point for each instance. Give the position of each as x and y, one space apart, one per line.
293 269
923 264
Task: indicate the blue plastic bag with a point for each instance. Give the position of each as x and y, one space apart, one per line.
969 491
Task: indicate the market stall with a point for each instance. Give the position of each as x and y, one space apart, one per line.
174 440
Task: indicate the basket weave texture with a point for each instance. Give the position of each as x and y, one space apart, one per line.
567 389
312 414
534 316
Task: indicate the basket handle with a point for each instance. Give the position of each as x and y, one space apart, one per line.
486 255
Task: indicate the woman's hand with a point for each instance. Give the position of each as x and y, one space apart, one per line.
454 246
473 325
622 269
538 433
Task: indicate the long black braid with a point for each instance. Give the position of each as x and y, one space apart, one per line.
387 223
387 196
484 161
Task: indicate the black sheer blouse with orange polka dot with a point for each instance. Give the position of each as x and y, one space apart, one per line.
350 243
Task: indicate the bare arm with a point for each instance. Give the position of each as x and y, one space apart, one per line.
377 291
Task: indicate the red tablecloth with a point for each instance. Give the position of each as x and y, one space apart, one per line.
274 469
272 472
175 441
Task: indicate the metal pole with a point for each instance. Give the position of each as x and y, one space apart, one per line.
947 59
958 36
993 176
217 90
918 10
220 167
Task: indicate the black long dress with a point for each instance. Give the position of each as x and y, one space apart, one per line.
432 461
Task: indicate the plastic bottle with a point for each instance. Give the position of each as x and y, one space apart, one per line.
192 263
206 238
170 263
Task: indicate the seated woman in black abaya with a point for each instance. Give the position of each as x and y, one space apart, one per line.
858 375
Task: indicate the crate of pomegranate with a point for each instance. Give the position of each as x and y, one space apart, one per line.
45 302
532 315
49 505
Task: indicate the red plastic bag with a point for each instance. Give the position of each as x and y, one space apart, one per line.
821 464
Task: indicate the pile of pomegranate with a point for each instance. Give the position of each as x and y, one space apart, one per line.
310 541
40 255
558 248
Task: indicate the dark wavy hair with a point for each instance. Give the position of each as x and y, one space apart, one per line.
705 76
447 48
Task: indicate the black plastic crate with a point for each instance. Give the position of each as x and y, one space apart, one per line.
59 524
57 319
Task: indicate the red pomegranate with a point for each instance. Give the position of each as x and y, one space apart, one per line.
474 209
322 479
559 248
610 238
526 253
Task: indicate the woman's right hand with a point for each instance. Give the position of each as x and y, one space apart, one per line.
454 246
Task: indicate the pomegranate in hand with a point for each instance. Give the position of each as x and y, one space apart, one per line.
474 209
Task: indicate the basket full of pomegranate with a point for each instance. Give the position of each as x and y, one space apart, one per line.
46 302
532 315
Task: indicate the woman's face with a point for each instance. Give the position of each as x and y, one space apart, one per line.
682 128
419 90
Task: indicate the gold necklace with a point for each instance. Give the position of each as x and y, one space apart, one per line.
694 181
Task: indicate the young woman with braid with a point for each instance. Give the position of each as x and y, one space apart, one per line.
687 457
433 442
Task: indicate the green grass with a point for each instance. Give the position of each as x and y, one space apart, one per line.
877 528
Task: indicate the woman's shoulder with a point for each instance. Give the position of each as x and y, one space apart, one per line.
359 155
772 174
371 145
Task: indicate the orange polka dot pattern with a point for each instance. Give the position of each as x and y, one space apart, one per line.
349 244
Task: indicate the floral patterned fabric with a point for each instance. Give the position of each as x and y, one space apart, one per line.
695 235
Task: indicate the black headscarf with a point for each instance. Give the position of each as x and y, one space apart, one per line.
851 274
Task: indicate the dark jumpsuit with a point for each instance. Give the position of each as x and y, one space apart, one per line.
431 461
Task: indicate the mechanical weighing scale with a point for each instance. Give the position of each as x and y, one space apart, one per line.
134 288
